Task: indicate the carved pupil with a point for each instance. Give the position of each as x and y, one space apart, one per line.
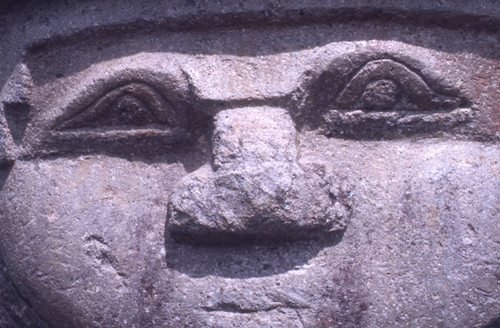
380 95
126 110
132 111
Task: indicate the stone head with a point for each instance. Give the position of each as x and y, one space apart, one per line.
244 164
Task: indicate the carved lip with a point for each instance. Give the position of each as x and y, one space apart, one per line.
248 304
235 307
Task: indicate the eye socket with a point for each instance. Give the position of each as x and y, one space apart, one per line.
386 85
134 105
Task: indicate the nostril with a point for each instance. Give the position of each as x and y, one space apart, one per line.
332 196
258 191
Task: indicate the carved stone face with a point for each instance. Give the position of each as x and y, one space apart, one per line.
254 174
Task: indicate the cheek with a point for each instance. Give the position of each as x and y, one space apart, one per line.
425 223
86 232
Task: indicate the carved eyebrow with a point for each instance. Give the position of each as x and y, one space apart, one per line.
411 83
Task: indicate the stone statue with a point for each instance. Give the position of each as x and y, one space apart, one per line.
249 164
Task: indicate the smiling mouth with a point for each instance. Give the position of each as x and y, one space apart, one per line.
234 307
266 303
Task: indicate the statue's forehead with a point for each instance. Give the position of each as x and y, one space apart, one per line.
257 62
246 45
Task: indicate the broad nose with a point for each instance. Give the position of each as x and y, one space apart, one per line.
255 189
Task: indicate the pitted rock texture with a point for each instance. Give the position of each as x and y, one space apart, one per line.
327 163
256 190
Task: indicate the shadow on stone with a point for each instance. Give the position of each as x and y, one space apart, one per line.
17 310
495 323
17 116
244 260
4 173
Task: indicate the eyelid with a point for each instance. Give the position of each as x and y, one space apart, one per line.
160 109
170 82
412 84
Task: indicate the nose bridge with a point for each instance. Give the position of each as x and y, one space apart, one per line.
255 189
254 136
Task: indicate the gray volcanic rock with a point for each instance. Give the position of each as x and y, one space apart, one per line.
213 164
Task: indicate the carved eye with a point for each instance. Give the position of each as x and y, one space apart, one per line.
130 119
133 105
385 85
387 99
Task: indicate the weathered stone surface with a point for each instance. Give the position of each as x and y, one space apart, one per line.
249 164
256 189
